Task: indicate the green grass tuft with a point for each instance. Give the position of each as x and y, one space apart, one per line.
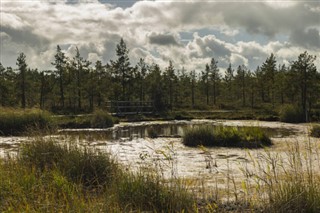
222 136
148 192
15 122
80 165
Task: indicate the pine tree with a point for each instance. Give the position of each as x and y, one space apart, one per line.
306 71
215 78
122 66
60 65
269 70
228 78
22 67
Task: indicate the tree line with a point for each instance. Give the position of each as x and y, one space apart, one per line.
77 85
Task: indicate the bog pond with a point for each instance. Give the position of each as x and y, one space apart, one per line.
157 145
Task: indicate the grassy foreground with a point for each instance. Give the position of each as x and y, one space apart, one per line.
224 136
48 177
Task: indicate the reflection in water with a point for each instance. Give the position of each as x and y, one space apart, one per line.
174 130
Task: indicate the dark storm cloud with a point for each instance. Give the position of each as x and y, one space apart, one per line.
26 36
163 39
307 39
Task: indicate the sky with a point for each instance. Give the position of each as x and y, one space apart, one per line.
187 32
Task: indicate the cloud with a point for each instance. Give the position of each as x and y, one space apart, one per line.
308 39
163 39
151 30
236 60
208 46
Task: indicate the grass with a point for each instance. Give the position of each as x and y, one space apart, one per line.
292 185
49 177
18 121
222 136
315 131
24 189
99 119
148 192
296 194
21 122
80 165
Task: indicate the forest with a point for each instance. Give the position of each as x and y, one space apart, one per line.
75 85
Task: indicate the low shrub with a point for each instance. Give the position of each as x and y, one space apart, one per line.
101 119
152 132
291 114
16 121
315 131
245 137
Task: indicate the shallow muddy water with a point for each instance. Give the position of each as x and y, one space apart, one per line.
175 129
131 145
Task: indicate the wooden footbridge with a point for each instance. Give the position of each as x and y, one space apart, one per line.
122 108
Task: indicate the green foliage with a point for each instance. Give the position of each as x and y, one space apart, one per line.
23 189
315 131
291 114
75 87
14 121
222 136
101 119
84 166
147 192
